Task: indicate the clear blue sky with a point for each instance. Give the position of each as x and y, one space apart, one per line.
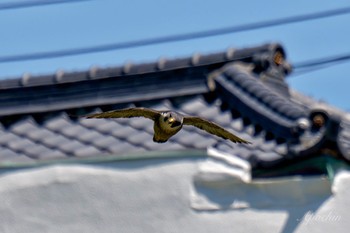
97 22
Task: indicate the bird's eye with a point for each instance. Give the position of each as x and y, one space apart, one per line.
165 118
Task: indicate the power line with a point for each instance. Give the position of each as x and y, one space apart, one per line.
308 70
320 63
175 38
33 3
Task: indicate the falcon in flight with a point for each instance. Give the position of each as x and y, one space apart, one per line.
168 123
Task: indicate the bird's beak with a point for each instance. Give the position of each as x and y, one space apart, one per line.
171 120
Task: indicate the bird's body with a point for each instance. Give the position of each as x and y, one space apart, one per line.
168 123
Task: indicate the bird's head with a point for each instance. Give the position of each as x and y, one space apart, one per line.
171 119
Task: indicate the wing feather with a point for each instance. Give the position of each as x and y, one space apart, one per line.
212 128
127 113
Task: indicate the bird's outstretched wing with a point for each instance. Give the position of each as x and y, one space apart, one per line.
212 128
127 113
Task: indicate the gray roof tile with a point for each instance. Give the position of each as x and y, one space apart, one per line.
87 151
89 136
173 146
7 153
242 151
24 126
141 124
7 137
33 127
281 149
73 131
193 107
58 123
36 150
104 141
124 147
103 126
269 156
71 147
56 142
39 133
188 138
223 118
204 142
25 146
139 137
124 132
52 154
237 125
168 146
10 156
268 146
257 142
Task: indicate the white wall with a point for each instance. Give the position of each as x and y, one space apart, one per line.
154 195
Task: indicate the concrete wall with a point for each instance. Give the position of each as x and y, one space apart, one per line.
161 195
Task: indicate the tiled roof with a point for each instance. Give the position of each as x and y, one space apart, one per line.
242 90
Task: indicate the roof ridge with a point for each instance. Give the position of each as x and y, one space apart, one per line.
163 64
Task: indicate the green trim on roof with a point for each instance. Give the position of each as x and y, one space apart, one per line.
176 154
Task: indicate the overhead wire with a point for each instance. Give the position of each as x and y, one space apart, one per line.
175 38
33 3
322 61
319 63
